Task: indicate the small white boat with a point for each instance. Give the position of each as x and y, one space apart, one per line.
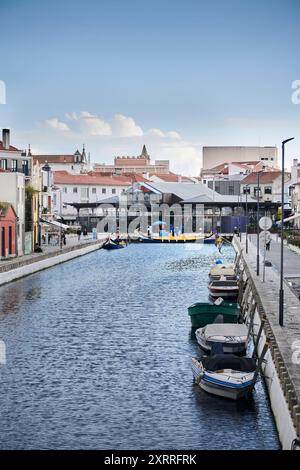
232 336
226 376
224 288
222 270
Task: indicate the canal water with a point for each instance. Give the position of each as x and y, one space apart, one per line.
98 357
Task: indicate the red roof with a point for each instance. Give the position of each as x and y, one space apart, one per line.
63 177
135 177
11 148
264 177
222 169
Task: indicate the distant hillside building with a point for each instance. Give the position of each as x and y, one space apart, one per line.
140 164
213 156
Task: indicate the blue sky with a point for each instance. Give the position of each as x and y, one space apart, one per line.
173 74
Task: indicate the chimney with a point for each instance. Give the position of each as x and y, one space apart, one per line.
5 138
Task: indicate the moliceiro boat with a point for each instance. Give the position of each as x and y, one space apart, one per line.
233 337
183 238
203 313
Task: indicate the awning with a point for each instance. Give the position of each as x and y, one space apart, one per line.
292 217
56 224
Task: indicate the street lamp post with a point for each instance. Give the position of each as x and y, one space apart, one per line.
247 186
257 243
281 292
55 188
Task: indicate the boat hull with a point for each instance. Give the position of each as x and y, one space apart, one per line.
175 239
202 314
112 246
225 392
222 385
225 294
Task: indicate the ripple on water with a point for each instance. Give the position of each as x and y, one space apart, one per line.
98 356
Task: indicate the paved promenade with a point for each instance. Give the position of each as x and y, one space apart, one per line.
291 260
48 251
287 337
51 255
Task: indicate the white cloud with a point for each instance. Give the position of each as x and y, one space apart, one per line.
125 126
173 135
155 132
54 123
89 124
123 136
93 125
185 158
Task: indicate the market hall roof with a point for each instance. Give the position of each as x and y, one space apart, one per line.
195 193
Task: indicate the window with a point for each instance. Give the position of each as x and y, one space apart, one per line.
14 165
103 190
268 189
256 190
25 167
113 191
75 190
3 164
246 190
231 190
272 159
94 191
54 199
65 190
84 193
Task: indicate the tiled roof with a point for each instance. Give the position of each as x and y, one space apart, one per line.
265 177
222 168
11 148
4 208
63 177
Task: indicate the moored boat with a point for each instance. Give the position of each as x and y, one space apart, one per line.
111 245
232 336
224 288
203 313
226 376
222 270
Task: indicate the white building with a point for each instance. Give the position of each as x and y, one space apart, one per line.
12 189
269 186
84 189
76 163
295 192
213 156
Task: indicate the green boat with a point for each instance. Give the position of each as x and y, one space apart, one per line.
204 313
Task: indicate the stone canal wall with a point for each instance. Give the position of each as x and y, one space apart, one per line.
281 368
37 262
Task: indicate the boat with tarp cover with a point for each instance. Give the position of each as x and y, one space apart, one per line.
225 375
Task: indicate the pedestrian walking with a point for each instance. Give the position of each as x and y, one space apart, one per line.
79 233
268 244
